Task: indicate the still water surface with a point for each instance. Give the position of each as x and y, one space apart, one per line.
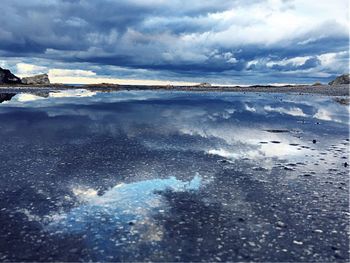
173 176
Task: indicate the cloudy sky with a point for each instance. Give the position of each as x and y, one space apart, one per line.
161 41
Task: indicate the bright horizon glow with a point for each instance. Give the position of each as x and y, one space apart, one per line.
99 80
77 76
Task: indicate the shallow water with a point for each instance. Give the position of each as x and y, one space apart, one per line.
173 176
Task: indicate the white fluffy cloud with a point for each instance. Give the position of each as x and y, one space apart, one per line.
71 73
24 69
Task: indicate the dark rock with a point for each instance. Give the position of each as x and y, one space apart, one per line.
338 255
102 86
314 141
42 79
294 144
280 224
277 130
6 77
343 79
346 164
334 248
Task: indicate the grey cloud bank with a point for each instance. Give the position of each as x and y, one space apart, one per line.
217 41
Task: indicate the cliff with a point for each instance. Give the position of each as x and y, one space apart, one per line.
42 79
6 77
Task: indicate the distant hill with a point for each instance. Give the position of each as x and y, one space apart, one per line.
343 79
6 77
42 79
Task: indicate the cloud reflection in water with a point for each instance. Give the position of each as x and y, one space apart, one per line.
60 152
121 204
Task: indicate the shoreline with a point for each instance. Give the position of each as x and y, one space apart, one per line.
337 90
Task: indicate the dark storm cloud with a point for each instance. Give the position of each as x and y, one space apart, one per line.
196 37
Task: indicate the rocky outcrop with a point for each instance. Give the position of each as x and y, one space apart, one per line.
6 77
42 79
204 85
343 79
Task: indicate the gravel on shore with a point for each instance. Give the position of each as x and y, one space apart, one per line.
337 90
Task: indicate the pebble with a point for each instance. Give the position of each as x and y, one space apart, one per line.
252 244
297 242
280 224
337 254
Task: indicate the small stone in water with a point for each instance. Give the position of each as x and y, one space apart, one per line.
281 224
297 242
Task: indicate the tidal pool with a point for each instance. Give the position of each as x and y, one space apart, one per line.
173 176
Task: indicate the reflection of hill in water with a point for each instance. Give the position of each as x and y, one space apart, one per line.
6 96
9 96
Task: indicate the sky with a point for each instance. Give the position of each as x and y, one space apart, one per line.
226 42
